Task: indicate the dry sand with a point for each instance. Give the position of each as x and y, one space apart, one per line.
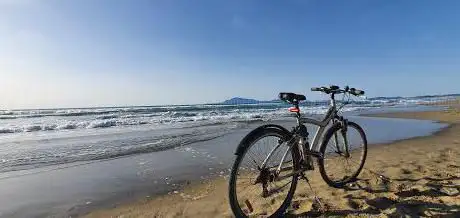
415 177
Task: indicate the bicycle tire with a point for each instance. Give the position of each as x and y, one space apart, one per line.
328 136
246 144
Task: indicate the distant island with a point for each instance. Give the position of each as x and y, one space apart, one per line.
238 100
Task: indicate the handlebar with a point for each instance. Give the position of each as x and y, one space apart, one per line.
337 90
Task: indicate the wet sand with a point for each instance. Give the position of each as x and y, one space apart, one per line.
414 177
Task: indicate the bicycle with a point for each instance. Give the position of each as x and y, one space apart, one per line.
267 177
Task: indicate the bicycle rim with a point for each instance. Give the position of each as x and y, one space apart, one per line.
253 198
337 168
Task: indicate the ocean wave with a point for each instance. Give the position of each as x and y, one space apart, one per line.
204 117
115 122
33 116
7 112
69 125
109 116
95 124
95 118
7 117
10 117
9 130
181 114
102 124
76 113
28 128
32 128
49 127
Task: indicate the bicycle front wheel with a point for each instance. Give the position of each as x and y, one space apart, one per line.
339 167
255 189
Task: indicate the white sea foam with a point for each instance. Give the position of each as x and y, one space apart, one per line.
68 125
102 124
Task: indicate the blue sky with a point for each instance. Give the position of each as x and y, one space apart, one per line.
62 53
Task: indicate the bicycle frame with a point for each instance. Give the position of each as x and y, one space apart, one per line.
314 146
331 114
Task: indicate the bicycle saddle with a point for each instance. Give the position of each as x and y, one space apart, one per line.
291 97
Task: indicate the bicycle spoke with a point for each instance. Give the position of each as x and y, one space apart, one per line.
253 160
347 166
338 166
254 193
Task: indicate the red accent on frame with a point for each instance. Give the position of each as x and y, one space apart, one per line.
293 109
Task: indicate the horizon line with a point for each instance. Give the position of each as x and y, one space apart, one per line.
216 103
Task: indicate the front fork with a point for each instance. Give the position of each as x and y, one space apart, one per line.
344 124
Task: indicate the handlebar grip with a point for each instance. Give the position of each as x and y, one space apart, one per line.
315 89
356 91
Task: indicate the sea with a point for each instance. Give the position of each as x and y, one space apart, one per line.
38 137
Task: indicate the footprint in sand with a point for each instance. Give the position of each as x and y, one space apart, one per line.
354 204
408 193
420 168
381 203
406 171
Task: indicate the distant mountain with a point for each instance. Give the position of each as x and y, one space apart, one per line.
238 100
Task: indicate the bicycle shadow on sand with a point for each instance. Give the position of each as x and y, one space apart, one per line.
396 198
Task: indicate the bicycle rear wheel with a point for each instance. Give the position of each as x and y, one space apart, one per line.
337 168
253 189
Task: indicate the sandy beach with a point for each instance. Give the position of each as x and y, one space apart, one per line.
414 177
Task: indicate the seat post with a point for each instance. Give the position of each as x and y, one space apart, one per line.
296 105
333 100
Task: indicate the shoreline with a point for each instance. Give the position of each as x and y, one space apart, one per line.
212 195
